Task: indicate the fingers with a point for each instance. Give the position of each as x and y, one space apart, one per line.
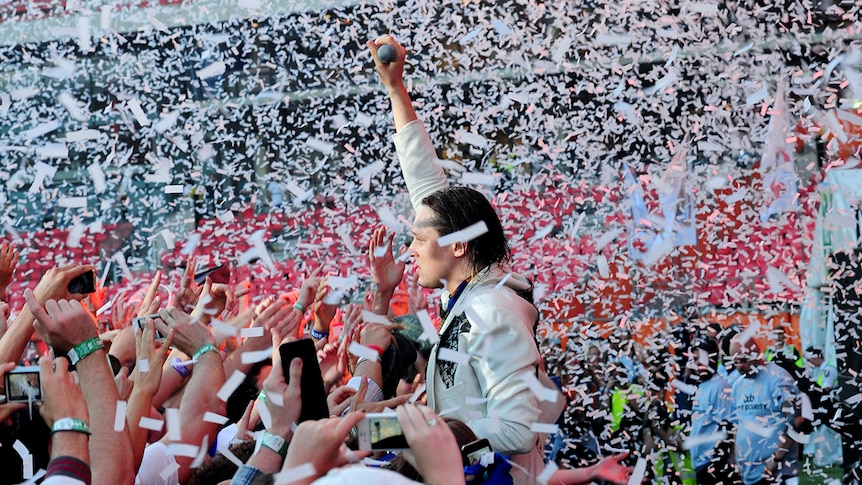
347 422
295 384
35 308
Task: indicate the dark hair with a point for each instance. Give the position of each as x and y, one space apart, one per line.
219 468
460 207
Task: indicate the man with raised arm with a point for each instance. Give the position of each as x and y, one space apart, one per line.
482 369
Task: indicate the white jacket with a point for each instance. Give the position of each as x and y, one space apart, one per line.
491 390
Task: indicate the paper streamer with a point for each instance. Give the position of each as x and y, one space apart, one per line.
464 235
230 385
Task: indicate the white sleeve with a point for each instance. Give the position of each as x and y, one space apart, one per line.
62 480
422 174
159 466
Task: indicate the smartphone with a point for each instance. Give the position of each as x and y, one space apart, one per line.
218 274
380 431
314 405
141 323
84 283
472 452
23 384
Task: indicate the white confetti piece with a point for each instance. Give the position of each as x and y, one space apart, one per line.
215 418
256 356
230 385
120 417
637 475
453 356
370 317
251 332
429 332
134 106
151 424
169 470
542 393
143 365
295 474
320 145
548 428
685 388
693 441
362 351
464 235
174 426
72 202
474 178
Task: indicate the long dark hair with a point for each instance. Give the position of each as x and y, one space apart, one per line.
457 208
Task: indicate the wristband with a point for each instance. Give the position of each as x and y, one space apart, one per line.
364 359
74 425
377 349
181 368
274 442
206 348
318 335
299 306
262 395
85 348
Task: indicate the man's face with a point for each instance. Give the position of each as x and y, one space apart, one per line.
745 358
433 263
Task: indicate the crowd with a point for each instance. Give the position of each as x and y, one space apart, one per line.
189 386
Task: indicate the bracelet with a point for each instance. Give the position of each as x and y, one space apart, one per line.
377 349
274 442
74 425
365 359
206 348
299 306
181 368
318 335
85 348
262 395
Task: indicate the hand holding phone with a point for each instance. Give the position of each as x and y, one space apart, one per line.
141 322
313 393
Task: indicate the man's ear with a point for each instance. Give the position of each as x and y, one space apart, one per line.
459 249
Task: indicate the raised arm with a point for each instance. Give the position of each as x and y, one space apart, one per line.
53 286
8 262
69 328
422 173
386 271
200 396
392 77
65 411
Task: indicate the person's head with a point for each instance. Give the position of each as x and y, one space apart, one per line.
445 212
707 356
780 338
746 355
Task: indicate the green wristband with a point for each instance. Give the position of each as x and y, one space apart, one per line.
74 425
85 348
299 306
206 348
275 443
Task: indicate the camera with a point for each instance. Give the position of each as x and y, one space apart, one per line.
380 431
23 384
141 323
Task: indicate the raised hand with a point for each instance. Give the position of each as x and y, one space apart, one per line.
8 263
386 272
62 324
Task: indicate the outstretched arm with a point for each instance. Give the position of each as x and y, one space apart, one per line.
422 173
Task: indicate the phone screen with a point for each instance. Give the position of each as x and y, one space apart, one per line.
473 452
385 433
141 322
313 393
83 284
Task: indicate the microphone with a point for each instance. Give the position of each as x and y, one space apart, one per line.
386 53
